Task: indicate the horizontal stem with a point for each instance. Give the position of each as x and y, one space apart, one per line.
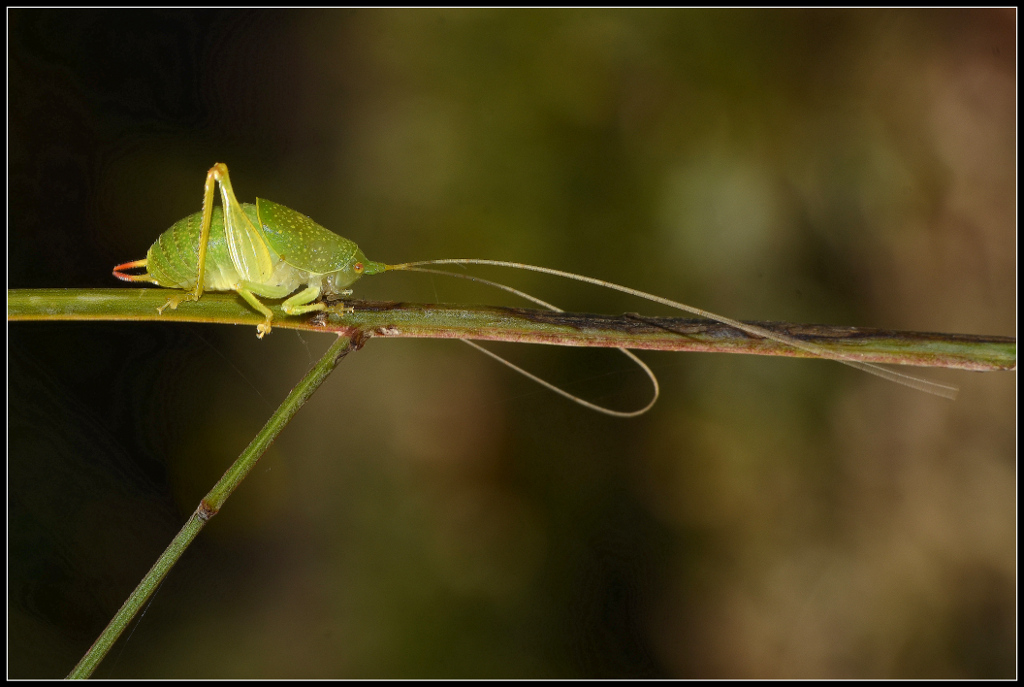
488 323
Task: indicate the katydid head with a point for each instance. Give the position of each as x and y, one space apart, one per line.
368 267
343 277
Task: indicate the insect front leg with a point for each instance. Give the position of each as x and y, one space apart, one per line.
299 304
302 302
333 304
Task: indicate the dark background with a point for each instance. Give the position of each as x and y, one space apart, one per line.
429 513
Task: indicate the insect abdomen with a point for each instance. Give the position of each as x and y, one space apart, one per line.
173 259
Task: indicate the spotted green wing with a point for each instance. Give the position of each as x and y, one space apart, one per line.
303 243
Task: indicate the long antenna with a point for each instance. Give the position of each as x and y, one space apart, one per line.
544 383
925 385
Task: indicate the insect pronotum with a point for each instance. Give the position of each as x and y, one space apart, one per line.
266 250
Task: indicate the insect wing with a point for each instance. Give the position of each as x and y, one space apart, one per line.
301 242
247 245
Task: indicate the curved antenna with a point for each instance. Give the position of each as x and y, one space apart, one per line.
577 399
547 385
925 385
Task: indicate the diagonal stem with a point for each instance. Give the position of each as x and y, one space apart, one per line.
213 501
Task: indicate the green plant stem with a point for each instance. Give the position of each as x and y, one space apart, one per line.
418 320
212 503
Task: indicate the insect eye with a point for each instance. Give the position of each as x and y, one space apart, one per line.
358 267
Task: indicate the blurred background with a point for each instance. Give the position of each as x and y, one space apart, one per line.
430 513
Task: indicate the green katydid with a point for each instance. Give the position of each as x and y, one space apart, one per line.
268 250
